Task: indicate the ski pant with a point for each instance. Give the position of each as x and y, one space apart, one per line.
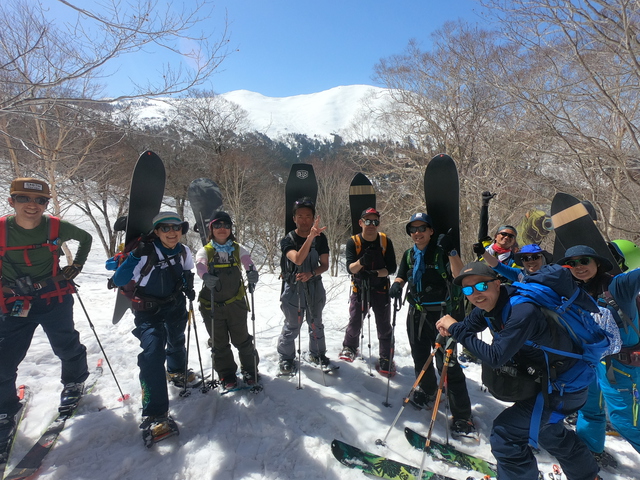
621 404
161 335
421 328
381 306
310 310
230 327
16 334
510 439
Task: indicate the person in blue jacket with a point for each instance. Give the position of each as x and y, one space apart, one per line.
618 378
512 327
531 257
160 267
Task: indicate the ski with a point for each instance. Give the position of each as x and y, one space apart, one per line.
379 466
24 394
450 455
145 199
31 462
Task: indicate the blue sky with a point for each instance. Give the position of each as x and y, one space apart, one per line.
291 47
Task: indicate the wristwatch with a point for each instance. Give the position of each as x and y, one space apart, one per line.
453 253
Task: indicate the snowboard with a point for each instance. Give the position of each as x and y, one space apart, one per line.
205 199
361 196
574 226
301 183
378 466
442 195
449 454
145 200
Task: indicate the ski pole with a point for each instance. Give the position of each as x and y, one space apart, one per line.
123 396
204 388
257 387
362 315
368 285
438 344
396 307
443 376
184 392
299 336
311 320
213 345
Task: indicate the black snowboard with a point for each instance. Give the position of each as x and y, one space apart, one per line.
301 183
145 199
442 194
205 199
573 226
361 196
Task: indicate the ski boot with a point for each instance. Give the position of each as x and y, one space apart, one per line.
70 397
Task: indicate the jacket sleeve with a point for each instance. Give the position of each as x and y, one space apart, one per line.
390 258
512 273
124 273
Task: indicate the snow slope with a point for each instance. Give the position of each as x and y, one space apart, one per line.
281 433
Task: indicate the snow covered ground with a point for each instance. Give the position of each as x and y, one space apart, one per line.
280 433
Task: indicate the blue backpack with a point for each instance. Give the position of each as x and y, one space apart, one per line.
569 307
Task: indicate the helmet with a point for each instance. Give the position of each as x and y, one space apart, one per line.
631 253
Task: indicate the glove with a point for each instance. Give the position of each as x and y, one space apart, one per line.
71 271
446 242
143 249
190 294
210 280
486 196
252 276
396 290
478 249
367 257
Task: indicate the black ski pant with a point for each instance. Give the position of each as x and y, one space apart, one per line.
422 336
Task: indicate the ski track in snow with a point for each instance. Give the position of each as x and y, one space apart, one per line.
280 433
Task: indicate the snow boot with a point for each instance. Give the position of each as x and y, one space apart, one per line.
421 400
287 368
178 379
70 396
386 368
348 354
156 428
462 427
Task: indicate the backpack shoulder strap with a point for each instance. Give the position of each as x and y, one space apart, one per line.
383 242
357 240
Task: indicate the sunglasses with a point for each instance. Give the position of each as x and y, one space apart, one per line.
168 228
505 234
530 258
27 199
304 203
368 222
578 261
219 225
480 287
420 228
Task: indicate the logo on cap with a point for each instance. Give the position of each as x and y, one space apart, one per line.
33 186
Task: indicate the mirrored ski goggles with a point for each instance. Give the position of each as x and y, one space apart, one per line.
480 287
507 234
368 222
419 228
530 258
219 225
578 261
168 228
28 199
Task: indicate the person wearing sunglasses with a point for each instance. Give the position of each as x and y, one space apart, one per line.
36 291
305 257
618 379
370 259
531 257
511 326
428 268
160 271
503 247
220 263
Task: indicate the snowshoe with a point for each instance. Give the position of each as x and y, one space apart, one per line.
463 427
70 397
386 368
348 354
287 368
177 379
320 361
157 428
421 400
252 381
605 460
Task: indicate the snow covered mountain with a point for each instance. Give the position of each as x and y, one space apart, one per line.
345 111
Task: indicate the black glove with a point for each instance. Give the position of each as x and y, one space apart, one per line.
366 260
478 249
252 276
396 290
190 294
144 248
71 271
210 280
486 196
446 242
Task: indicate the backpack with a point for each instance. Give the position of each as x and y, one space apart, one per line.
53 244
357 240
568 310
118 259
